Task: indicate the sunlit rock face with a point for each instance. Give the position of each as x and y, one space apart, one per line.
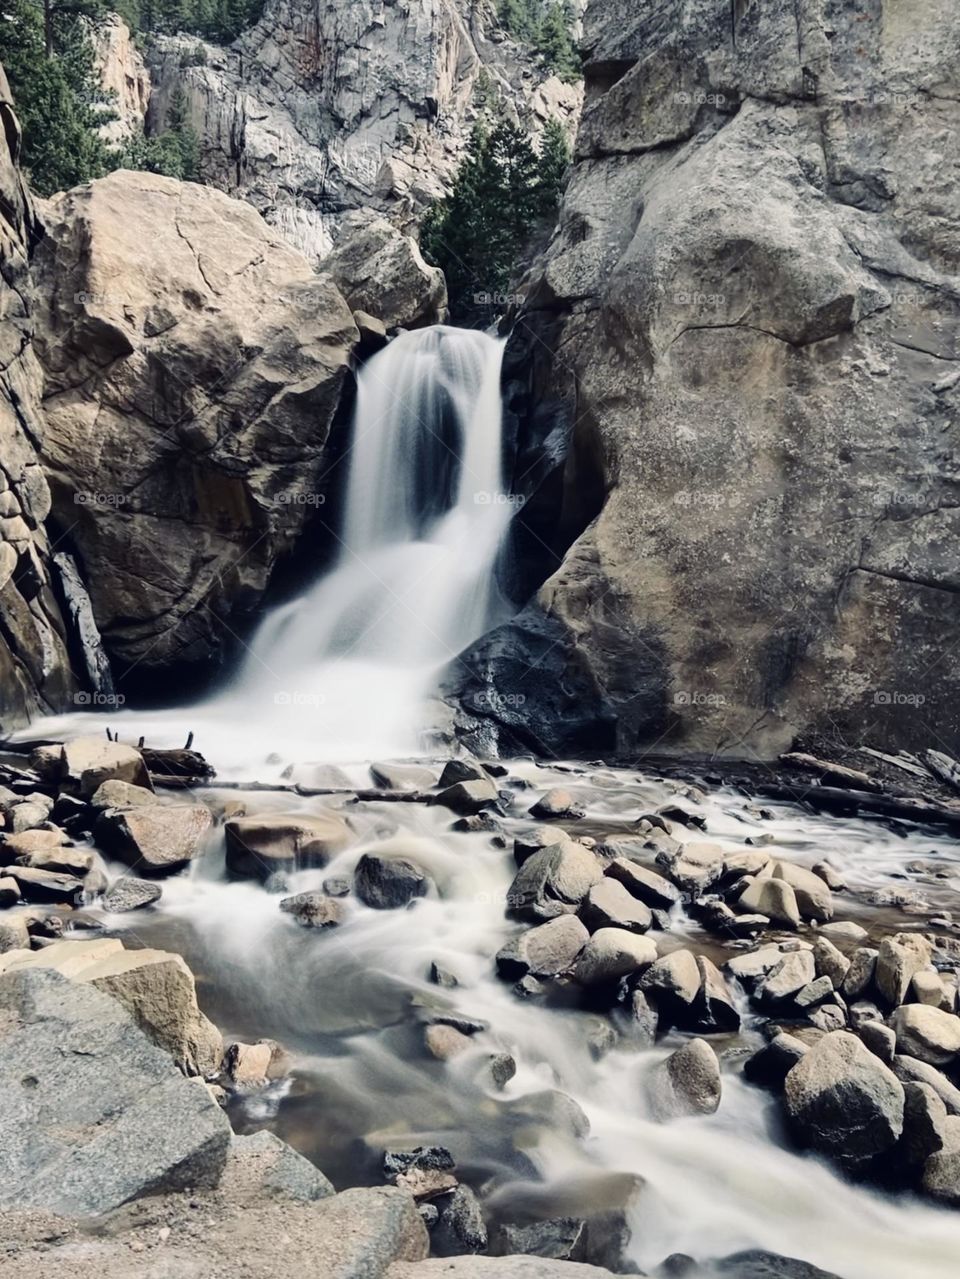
746 332
331 105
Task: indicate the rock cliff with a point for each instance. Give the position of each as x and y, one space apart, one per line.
334 105
745 335
43 661
193 366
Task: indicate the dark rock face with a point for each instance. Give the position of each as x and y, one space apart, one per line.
746 329
43 605
386 883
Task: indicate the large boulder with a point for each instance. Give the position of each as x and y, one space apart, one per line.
193 364
109 1116
554 881
259 846
155 986
154 839
844 1102
86 763
685 1083
382 272
753 208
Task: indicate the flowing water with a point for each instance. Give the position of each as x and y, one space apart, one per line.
339 675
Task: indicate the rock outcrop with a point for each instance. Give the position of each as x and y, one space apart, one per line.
745 338
43 662
194 364
123 75
323 108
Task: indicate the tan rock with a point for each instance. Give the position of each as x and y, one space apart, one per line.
87 762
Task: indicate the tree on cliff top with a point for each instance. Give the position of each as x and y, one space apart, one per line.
503 192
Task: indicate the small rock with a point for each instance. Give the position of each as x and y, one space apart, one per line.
829 961
465 798
557 803
787 978
402 777
47 885
337 886
609 905
844 930
815 992
693 867
832 878
929 1034
646 885
899 957
544 951
880 1039
253 1065
860 975
442 977
128 894
941 1172
771 1064
460 1228
813 897
927 988
644 1020
502 1067
445 1042
613 953
532 841
9 893
924 1124
686 1083
462 770
314 910
774 898
751 968
387 883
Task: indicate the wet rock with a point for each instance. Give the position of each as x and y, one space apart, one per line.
460 1228
66 861
751 968
814 899
859 978
435 1158
771 897
402 777
465 798
844 930
683 816
425 1184
550 1109
47 885
114 793
462 770
253 1065
111 1121
646 885
694 867
941 1172
787 978
828 1017
556 803
880 1039
644 1020
831 877
13 933
926 1033
673 982
256 847
128 894
87 762
898 958
601 1038
156 839
442 977
41 839
560 1238
771 1064
613 953
553 882
532 841
314 910
337 886
75 816
445 1042
9 892
843 1102
745 861
502 1068
609 905
27 815
388 883
544 951
924 1124
261 1166
686 1083
829 961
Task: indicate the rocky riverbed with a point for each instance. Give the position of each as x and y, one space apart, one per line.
562 1014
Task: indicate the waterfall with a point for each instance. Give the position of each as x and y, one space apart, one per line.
347 665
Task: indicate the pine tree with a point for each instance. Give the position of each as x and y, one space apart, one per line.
555 44
554 162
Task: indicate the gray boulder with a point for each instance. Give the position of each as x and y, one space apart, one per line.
844 1102
544 951
155 839
262 1166
686 1083
553 881
387 883
609 905
460 1227
110 1121
257 847
128 894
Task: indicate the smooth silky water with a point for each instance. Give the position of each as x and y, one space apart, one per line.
340 675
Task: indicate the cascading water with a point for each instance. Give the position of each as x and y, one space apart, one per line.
346 666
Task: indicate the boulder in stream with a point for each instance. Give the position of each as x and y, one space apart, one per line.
544 951
87 762
685 1083
553 881
844 1102
257 847
388 883
154 839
